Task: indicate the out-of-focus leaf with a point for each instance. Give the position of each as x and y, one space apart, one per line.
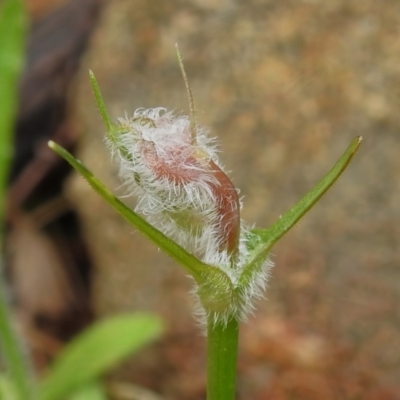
97 350
7 389
90 391
13 25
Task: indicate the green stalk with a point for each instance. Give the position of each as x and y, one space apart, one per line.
222 350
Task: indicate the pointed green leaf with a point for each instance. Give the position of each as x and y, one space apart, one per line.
192 265
100 102
263 239
201 272
97 350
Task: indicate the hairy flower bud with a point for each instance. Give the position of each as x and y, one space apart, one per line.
179 182
172 166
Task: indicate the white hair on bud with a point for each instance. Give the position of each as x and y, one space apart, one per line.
170 174
154 137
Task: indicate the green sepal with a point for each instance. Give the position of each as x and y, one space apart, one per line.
207 277
217 292
100 103
260 241
113 130
191 264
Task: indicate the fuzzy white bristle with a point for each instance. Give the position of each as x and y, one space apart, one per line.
169 172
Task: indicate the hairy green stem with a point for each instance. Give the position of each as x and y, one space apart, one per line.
222 350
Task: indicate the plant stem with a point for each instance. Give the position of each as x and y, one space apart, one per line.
11 347
222 350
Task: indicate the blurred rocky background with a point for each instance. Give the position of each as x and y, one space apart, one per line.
285 86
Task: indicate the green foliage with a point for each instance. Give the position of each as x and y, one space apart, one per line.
106 343
97 350
90 391
13 25
7 388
